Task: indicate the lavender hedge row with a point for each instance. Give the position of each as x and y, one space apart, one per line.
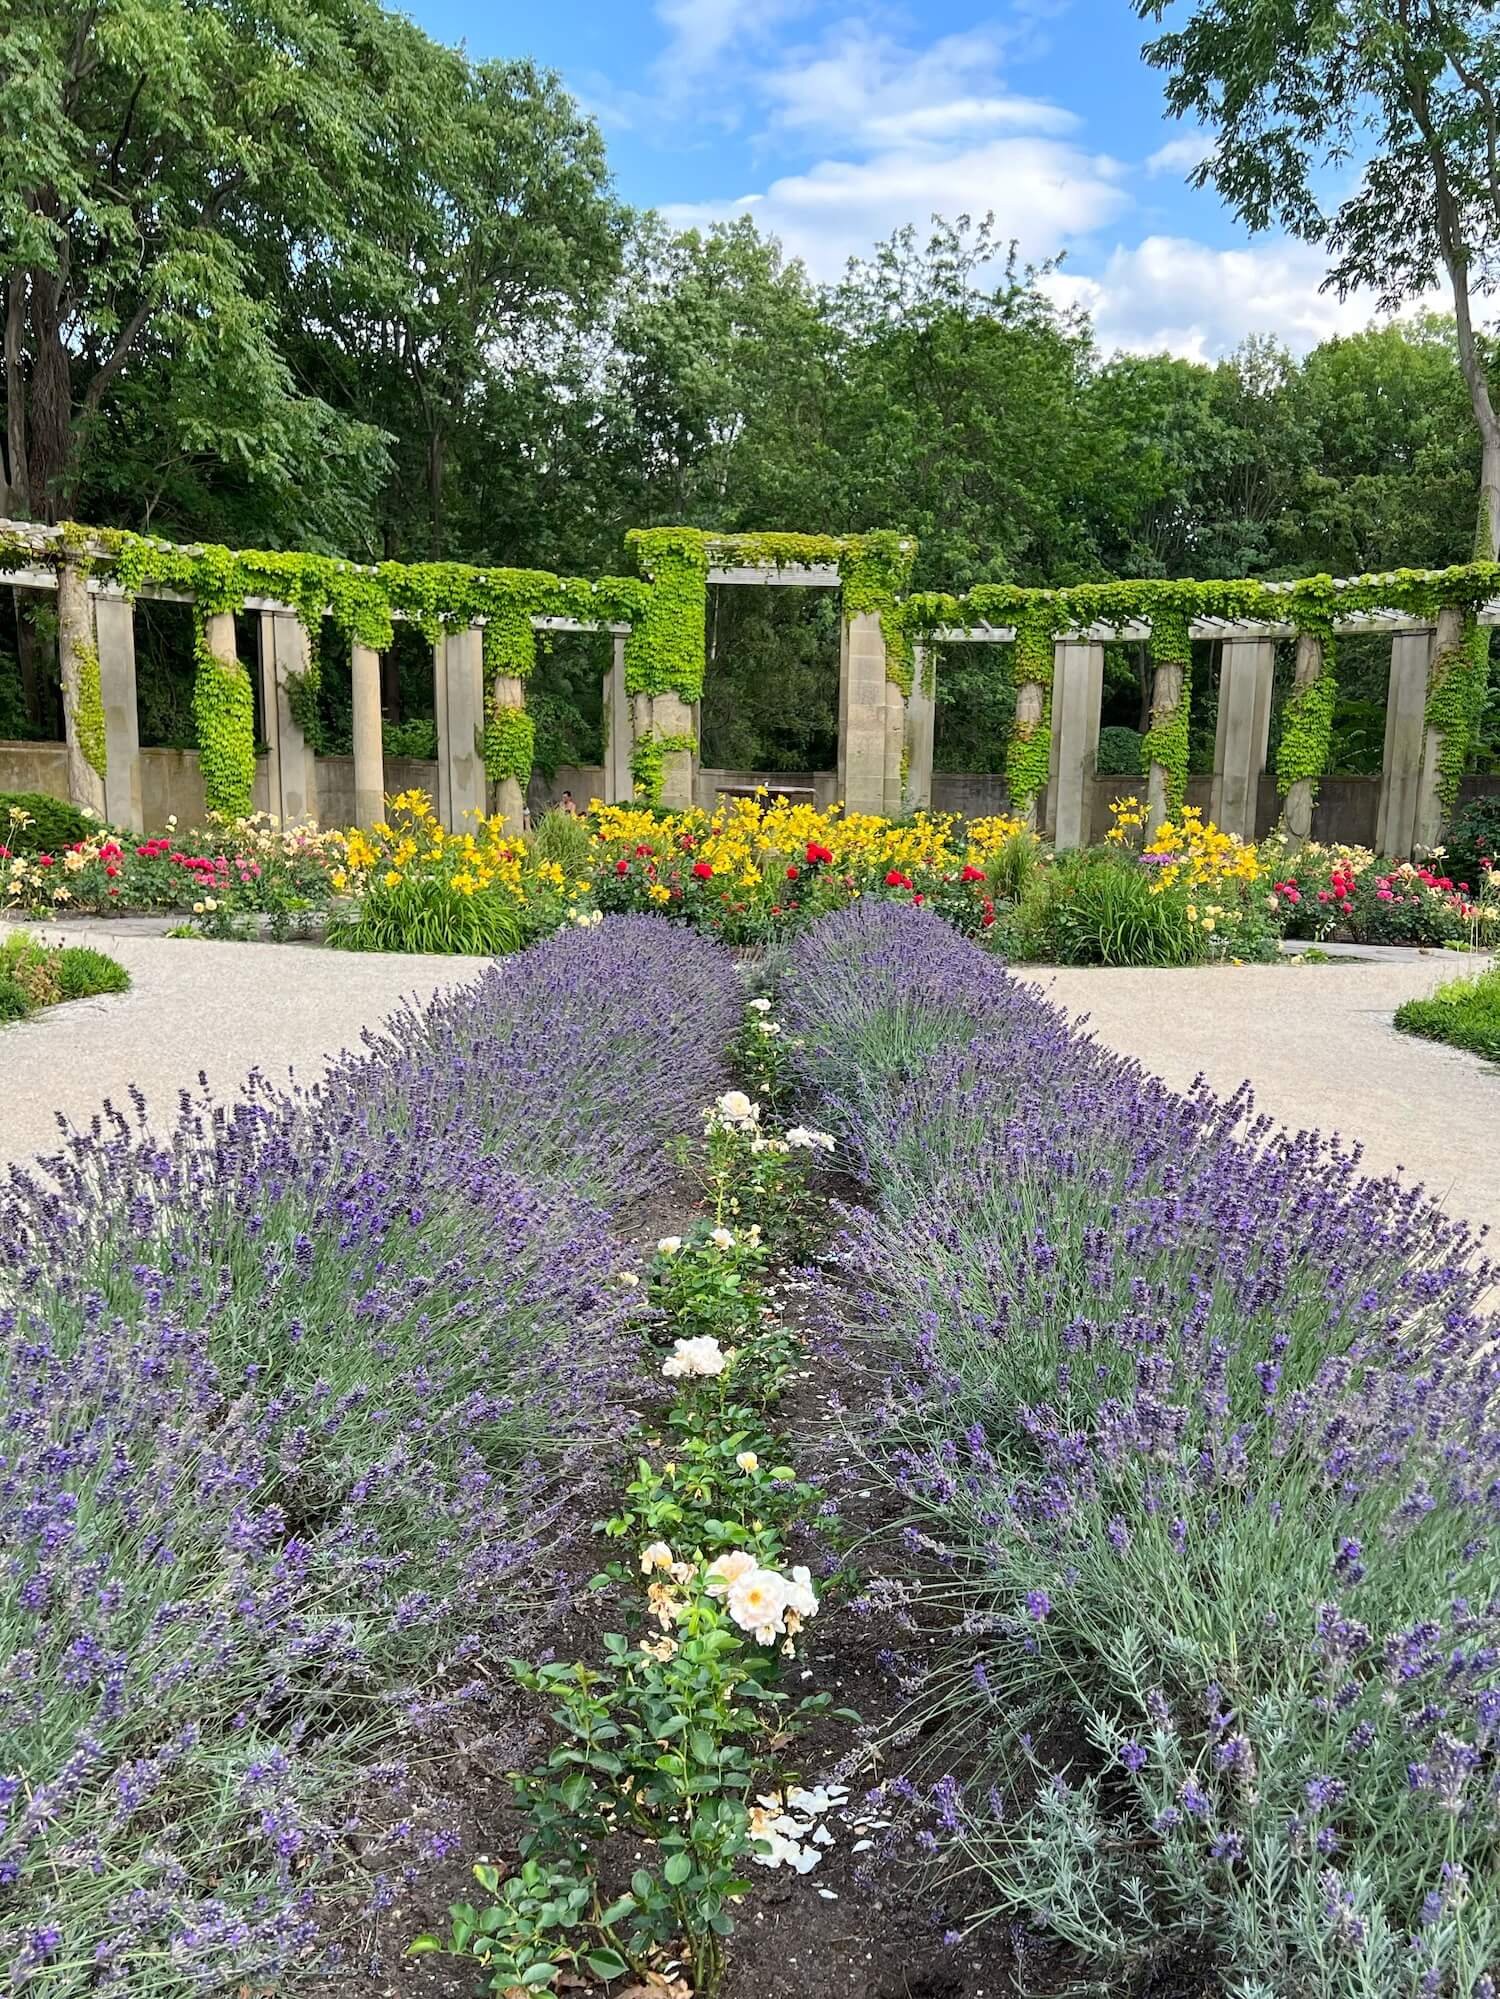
1195 1426
292 1402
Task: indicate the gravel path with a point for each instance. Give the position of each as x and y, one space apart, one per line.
221 1008
1317 1044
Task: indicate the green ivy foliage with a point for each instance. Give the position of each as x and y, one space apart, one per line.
665 651
1458 689
1307 726
224 712
648 764
509 744
88 719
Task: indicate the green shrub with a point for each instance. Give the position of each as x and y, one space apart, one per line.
1100 910
1472 839
14 1004
1014 866
82 972
53 823
1119 752
417 738
567 839
426 913
1465 1013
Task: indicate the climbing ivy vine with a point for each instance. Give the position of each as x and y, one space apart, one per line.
509 743
648 764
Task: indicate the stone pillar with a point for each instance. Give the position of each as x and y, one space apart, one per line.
83 721
461 781
507 694
1447 650
1405 730
895 748
619 730
369 744
1297 809
672 716
291 770
114 635
1247 671
862 714
921 720
1077 699
442 804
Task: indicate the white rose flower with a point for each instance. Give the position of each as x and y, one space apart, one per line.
799 1593
702 1356
770 1027
669 1245
803 1137
747 1461
722 1239
657 1556
761 1005
757 1602
734 1104
628 1278
727 1570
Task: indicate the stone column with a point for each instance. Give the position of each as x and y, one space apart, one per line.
369 744
442 804
895 748
862 714
921 720
508 694
1447 649
1077 699
1405 730
1247 670
114 635
1297 809
291 770
619 730
83 721
461 780
672 716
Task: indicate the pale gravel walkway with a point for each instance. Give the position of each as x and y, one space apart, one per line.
195 1005
1318 1047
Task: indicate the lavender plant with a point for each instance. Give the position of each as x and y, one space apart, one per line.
1194 1423
296 1401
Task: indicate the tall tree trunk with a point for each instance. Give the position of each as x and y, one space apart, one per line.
15 485
50 403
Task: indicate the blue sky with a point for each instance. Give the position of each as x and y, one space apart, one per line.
834 124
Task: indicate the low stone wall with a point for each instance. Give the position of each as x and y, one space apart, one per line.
585 781
336 784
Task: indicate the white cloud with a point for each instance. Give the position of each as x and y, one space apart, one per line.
1180 156
864 89
1043 191
1170 294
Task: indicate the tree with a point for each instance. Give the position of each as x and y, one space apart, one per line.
153 149
1408 91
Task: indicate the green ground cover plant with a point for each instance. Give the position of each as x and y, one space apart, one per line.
1465 1013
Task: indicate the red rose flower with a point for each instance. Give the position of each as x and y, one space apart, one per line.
791 873
918 898
44 860
703 871
622 867
972 874
895 879
815 853
642 852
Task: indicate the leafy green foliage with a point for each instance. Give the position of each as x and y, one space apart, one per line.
1119 753
34 974
1465 1013
33 823
423 911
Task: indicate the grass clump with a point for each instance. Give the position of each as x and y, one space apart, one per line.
34 975
1465 1013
